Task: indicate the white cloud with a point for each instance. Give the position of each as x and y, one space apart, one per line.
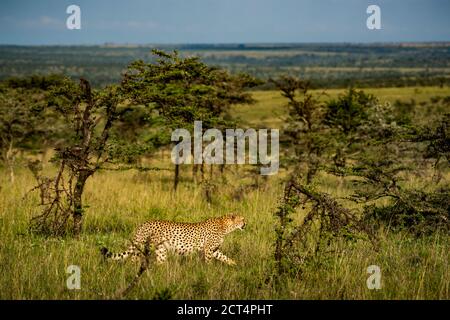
42 22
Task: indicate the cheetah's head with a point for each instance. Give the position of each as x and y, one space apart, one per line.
234 222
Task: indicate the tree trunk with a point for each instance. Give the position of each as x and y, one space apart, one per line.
176 177
310 174
11 173
78 203
194 172
10 161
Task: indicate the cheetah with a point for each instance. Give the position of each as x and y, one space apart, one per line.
182 238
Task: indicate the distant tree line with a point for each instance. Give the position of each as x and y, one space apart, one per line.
325 65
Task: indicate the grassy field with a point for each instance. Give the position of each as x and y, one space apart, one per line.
33 267
269 111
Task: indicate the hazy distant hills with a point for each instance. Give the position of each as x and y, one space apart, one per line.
333 65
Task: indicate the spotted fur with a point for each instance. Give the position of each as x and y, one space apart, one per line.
182 238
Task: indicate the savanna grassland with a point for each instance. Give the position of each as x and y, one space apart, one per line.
34 267
269 109
329 65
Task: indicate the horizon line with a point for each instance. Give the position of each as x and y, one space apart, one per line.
149 44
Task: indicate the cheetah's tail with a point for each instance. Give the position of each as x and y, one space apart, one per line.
117 256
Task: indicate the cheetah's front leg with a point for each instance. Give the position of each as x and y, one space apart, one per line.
221 257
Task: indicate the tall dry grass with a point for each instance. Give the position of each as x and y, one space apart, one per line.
34 267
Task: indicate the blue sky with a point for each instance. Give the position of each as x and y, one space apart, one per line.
222 21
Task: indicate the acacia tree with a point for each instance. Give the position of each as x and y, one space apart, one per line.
184 90
23 123
344 116
435 141
386 151
91 114
325 221
304 133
